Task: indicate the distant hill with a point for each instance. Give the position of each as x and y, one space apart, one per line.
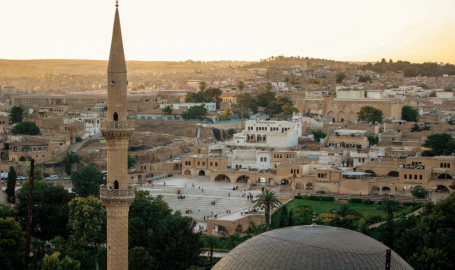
20 68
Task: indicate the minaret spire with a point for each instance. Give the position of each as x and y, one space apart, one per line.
116 3
117 55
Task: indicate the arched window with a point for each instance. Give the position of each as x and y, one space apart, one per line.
265 159
115 116
115 184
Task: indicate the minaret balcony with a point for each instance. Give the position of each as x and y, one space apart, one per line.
108 193
116 125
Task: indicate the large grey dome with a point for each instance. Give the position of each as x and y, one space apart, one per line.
308 247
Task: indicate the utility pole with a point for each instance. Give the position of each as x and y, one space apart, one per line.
29 219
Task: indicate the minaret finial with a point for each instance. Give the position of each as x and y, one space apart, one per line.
116 3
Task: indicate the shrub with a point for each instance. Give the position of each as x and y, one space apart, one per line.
78 139
411 204
300 197
321 198
352 217
371 219
355 200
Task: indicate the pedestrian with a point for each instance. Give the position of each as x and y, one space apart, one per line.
152 184
204 217
202 190
229 194
164 183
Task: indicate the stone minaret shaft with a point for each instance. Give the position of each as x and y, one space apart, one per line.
117 130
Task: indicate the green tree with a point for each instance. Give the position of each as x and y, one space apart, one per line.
288 109
389 207
370 114
131 162
440 144
212 241
87 224
273 108
409 114
15 115
70 158
25 128
86 182
234 239
340 77
290 218
226 115
12 244
240 86
284 217
264 99
5 211
195 112
202 86
419 192
50 209
140 259
167 110
175 235
214 94
305 212
343 210
267 200
432 94
431 259
268 87
11 184
372 140
231 132
424 86
246 102
145 215
52 262
448 89
198 97
78 139
318 134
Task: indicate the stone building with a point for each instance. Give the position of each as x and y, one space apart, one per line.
117 195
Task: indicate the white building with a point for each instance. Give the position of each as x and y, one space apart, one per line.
186 106
276 134
251 159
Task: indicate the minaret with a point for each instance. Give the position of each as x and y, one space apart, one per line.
117 130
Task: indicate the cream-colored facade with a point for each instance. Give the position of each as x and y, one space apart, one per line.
117 196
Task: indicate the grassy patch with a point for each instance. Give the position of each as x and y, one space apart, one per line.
324 207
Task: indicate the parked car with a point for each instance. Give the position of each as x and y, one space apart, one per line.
178 159
20 178
52 177
66 178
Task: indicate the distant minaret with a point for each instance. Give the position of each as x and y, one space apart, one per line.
117 130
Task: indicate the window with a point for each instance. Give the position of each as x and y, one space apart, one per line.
265 159
216 164
298 171
410 176
262 159
203 163
420 177
415 176
211 164
405 176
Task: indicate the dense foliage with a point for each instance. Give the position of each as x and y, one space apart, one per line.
411 69
87 181
370 114
440 144
409 114
25 128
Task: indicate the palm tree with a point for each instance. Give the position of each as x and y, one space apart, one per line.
344 210
389 207
268 200
202 86
211 241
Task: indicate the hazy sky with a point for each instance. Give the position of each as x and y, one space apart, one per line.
359 30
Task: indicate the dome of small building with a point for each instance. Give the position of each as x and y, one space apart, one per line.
310 247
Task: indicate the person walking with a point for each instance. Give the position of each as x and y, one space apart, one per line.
164 183
229 194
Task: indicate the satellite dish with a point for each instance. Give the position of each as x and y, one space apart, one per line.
110 188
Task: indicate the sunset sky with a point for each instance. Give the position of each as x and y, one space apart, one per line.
174 30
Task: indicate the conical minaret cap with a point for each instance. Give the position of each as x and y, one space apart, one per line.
117 57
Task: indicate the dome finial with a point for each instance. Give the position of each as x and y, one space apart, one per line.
314 217
116 3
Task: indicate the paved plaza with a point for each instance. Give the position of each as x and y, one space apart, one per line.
199 199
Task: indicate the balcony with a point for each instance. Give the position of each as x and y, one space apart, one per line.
109 193
116 125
